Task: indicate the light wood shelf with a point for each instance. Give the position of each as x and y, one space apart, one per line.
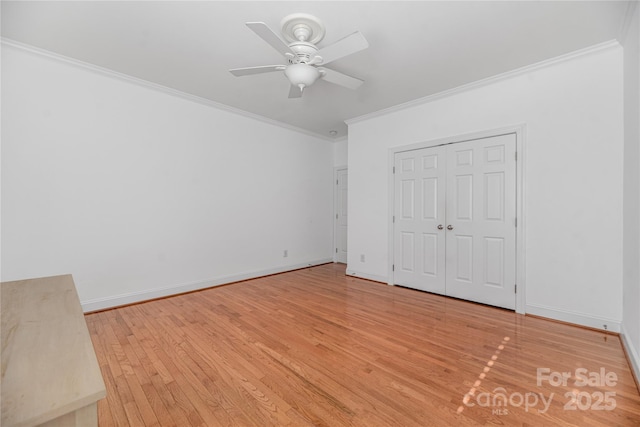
50 374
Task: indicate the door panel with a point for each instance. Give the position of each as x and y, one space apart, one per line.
430 254
494 261
463 194
408 198
430 198
408 252
494 196
463 258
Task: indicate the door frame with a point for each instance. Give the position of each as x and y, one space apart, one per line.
520 132
336 170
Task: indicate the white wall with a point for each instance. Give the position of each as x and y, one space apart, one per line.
631 260
139 193
340 153
572 110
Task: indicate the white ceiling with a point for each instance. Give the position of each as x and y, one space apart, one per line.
417 48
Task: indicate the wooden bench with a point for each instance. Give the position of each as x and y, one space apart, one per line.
50 374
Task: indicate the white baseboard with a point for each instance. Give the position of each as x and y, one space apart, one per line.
134 297
375 278
573 317
538 310
632 352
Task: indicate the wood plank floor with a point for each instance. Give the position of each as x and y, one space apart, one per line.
315 347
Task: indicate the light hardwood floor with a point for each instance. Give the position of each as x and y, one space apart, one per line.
315 347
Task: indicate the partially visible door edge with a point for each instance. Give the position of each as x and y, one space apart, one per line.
336 170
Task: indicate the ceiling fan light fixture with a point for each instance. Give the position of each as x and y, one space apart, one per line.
302 75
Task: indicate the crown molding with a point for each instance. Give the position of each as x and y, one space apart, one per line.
341 138
626 22
154 86
487 81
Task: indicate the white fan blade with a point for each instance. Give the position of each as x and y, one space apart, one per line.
351 44
338 78
247 71
266 34
295 92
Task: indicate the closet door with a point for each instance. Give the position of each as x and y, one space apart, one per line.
481 214
454 220
419 234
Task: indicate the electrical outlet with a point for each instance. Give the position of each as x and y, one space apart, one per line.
285 253
361 257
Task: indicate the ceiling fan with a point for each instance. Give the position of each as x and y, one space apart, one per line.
305 62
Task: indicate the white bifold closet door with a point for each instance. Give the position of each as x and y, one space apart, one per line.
455 220
419 236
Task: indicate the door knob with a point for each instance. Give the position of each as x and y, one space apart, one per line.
449 227
440 227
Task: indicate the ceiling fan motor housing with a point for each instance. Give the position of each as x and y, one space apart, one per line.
305 52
